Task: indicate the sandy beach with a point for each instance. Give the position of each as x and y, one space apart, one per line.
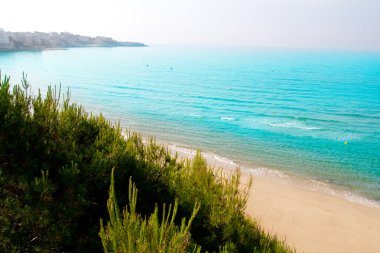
313 221
309 220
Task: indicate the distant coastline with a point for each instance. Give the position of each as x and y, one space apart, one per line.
35 41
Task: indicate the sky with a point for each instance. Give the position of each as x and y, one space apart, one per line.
325 24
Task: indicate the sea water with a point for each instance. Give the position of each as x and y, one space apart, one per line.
315 114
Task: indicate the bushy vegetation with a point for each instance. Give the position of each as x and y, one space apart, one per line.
55 172
131 233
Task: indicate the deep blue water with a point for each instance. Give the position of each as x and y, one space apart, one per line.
288 110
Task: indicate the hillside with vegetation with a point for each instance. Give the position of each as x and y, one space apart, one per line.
71 182
13 41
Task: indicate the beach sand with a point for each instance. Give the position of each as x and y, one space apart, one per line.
309 220
313 221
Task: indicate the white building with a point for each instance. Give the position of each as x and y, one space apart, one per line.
4 40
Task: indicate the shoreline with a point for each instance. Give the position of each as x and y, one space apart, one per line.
277 175
313 221
257 169
61 48
309 219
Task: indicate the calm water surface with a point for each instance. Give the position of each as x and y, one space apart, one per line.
310 113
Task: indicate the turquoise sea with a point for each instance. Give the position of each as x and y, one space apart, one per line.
315 114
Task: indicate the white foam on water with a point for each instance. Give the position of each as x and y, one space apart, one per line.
293 124
220 161
194 115
347 195
227 118
224 160
189 153
299 128
310 184
278 123
344 194
266 172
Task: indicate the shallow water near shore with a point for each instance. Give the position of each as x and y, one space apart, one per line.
315 114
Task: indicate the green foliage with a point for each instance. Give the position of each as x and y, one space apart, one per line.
131 233
55 167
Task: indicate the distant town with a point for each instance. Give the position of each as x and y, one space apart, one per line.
11 41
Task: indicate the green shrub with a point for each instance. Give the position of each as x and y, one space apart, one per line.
131 233
55 167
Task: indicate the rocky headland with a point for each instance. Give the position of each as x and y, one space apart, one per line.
10 41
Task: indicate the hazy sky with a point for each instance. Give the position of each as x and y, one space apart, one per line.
342 24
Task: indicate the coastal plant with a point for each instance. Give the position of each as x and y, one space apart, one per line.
55 171
221 219
132 233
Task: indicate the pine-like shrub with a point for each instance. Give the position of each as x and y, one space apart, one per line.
132 233
55 167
